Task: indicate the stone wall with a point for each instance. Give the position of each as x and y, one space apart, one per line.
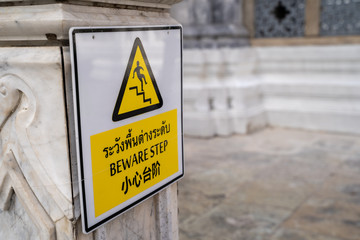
312 87
237 88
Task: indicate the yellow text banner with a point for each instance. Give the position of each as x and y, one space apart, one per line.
130 159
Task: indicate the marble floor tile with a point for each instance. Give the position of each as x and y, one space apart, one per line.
287 233
327 216
275 184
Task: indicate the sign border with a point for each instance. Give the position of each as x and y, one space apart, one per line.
77 118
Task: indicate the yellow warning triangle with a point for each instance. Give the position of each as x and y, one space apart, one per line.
139 92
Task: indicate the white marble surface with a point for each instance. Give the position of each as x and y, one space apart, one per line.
312 87
309 59
32 23
141 3
16 223
34 135
239 90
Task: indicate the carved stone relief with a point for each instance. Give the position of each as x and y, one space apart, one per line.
31 141
19 105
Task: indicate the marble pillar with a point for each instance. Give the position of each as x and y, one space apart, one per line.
39 196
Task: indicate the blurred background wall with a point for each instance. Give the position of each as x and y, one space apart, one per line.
249 64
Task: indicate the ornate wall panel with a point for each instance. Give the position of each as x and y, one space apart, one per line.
35 182
280 18
340 17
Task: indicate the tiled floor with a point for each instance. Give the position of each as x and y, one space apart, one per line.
275 184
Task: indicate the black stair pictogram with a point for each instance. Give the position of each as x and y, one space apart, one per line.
141 93
138 74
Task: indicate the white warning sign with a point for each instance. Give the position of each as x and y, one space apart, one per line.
127 91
